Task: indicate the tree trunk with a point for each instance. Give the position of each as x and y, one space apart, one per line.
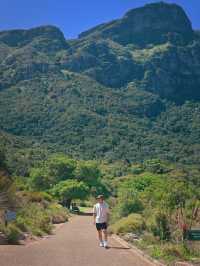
67 203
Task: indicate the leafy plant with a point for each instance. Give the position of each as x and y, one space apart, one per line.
133 223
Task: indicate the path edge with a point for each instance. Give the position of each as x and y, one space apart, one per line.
136 251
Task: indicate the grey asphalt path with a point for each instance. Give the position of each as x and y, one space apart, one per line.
74 244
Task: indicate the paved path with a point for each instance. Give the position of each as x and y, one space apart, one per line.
74 244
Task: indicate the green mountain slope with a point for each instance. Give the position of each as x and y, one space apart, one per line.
128 89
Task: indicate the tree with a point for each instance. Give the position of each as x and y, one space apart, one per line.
40 180
90 173
68 190
61 167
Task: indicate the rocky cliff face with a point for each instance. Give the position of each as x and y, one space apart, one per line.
154 46
49 36
152 24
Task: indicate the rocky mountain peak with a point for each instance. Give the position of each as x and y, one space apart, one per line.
19 38
152 24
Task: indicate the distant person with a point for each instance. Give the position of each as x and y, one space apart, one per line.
101 215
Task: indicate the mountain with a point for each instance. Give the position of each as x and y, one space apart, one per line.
128 89
151 24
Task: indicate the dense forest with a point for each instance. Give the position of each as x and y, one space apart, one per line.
115 111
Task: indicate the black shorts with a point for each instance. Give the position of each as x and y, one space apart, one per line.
101 226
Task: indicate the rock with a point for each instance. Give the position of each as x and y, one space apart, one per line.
49 36
3 239
183 263
103 60
174 73
131 237
153 23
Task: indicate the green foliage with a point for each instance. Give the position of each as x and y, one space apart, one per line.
124 208
127 200
162 227
36 196
13 233
61 167
169 252
58 213
111 99
57 168
137 169
155 166
160 198
34 219
39 179
132 223
58 96
70 189
88 171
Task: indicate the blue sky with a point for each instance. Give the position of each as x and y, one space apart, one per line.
75 16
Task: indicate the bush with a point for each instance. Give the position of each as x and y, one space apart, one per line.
158 224
39 197
34 219
38 220
13 234
173 251
149 238
124 208
58 213
35 196
156 166
133 223
137 169
170 252
151 225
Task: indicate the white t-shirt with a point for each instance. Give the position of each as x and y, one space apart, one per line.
101 210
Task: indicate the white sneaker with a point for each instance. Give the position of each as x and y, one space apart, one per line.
105 244
101 244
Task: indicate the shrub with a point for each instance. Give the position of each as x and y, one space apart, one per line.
39 197
156 166
132 223
13 234
137 169
173 251
124 208
58 213
170 252
34 219
22 224
157 252
35 196
163 226
149 238
151 225
158 224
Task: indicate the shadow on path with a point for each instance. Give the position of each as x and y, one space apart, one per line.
85 213
110 247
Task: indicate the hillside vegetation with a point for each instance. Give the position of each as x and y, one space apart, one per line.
125 89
